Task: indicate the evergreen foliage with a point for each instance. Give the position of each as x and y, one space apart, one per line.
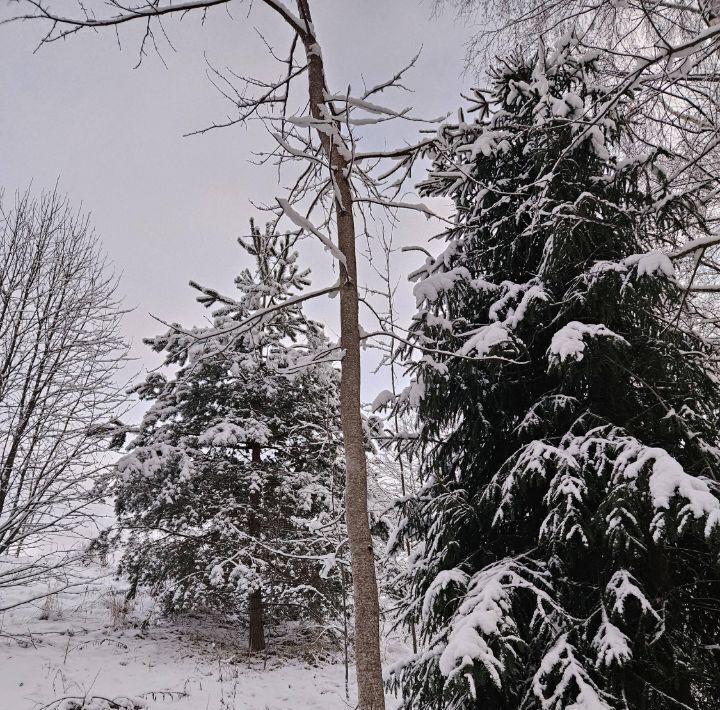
233 486
565 538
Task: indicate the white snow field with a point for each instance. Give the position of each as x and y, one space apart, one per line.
80 649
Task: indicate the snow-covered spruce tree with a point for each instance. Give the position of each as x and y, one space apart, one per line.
232 490
565 539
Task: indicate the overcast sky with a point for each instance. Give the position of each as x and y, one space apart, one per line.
167 208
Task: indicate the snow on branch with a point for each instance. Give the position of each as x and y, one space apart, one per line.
668 481
651 263
699 244
483 632
622 587
442 581
304 223
485 338
611 645
574 689
445 353
433 285
394 204
228 433
298 24
569 341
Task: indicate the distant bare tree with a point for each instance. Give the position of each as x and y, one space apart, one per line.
60 353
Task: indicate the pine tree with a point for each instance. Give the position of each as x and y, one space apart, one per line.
232 489
565 538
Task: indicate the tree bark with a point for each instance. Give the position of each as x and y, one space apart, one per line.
256 620
256 634
371 695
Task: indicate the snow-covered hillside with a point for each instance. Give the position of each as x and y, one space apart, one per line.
81 647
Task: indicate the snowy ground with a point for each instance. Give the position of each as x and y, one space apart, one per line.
82 645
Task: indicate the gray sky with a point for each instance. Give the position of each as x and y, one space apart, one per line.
168 208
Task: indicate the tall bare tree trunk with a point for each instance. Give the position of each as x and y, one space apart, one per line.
371 695
256 621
